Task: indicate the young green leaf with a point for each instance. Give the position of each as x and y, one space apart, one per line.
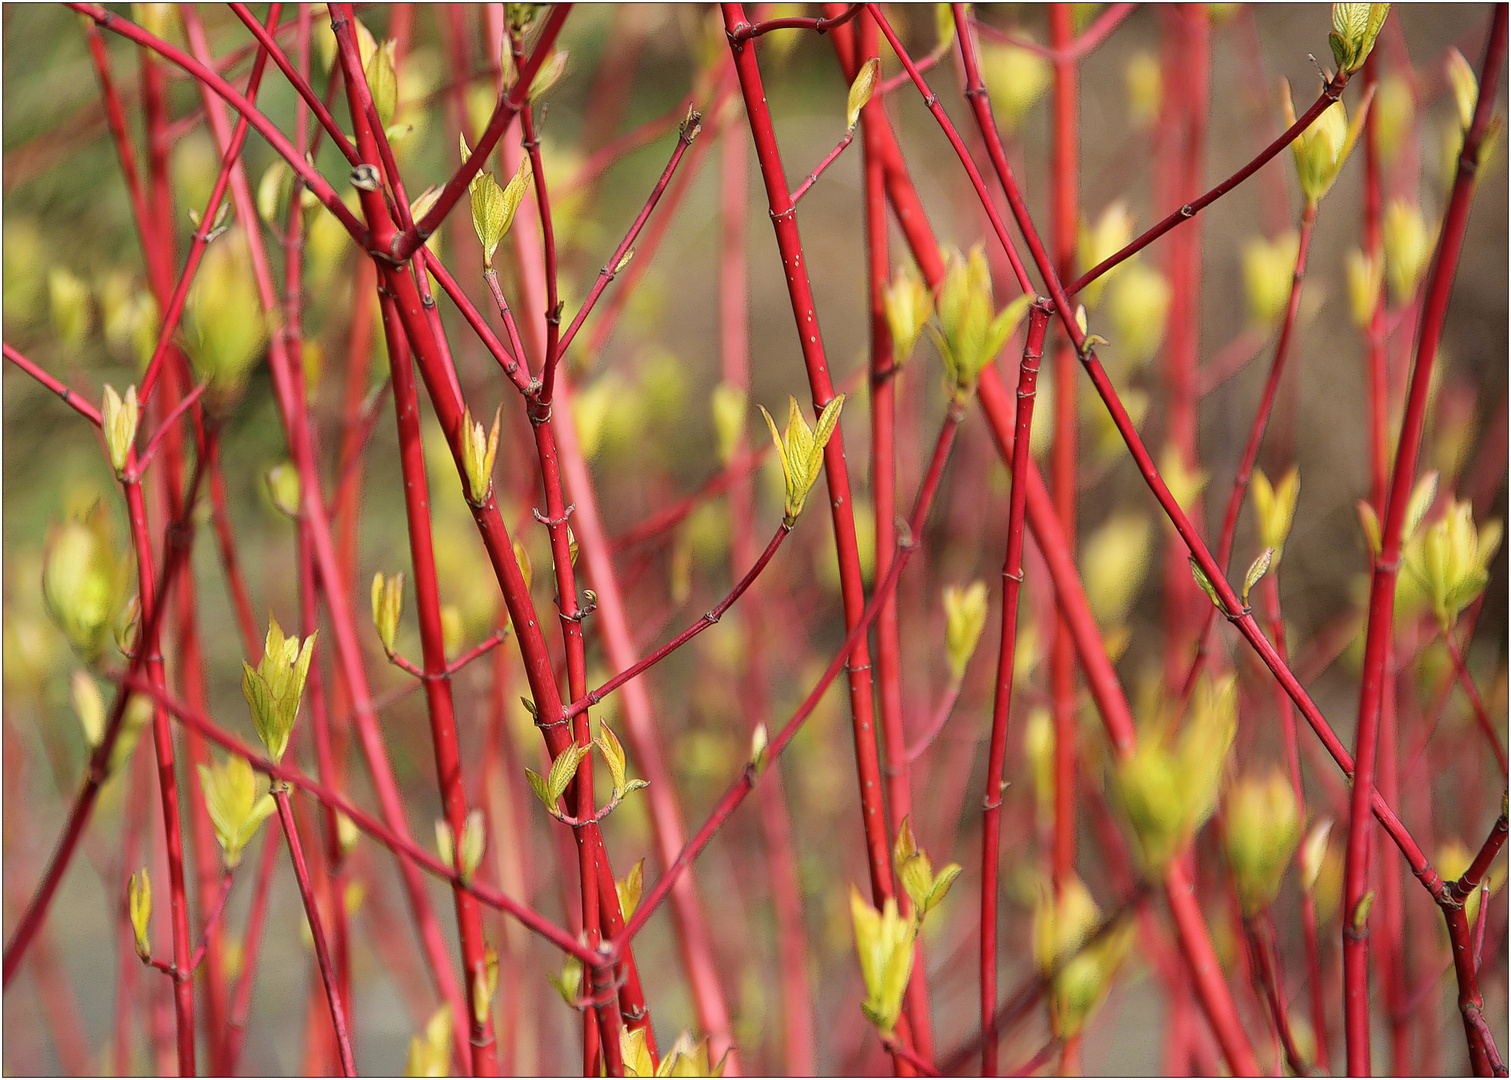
139 905
1257 569
613 754
1205 583
563 769
629 889
860 91
541 789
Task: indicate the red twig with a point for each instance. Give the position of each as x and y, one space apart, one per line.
747 780
818 170
70 397
405 244
1481 714
1330 94
1387 566
1012 583
707 619
209 79
1256 437
317 931
805 318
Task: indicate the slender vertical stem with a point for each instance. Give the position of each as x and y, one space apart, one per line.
1387 564
443 725
1270 597
241 999
162 738
317 931
1012 583
885 374
789 243
798 1049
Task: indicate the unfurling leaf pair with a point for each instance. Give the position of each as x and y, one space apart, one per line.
685 1058
884 941
1275 508
550 788
118 421
493 207
1355 27
1168 791
1080 974
274 687
478 453
388 604
1322 148
801 452
235 807
1257 570
1453 559
908 304
613 754
1261 828
964 623
916 872
973 331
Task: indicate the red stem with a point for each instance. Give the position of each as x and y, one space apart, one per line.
707 619
1261 940
1064 215
1387 566
298 81
405 244
805 317
208 79
312 914
1331 93
747 780
818 170
1012 583
483 1061
437 686
408 852
162 737
1481 714
1256 437
688 132
96 774
70 397
885 375
799 1051
743 31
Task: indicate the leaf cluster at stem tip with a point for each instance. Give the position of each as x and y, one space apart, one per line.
801 451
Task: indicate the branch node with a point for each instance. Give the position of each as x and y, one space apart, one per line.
551 522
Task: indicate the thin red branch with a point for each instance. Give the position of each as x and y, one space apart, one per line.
1012 584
